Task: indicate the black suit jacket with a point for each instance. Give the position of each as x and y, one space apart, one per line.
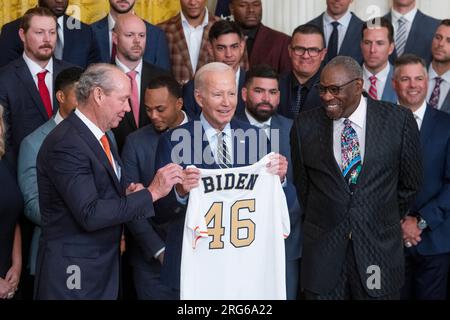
390 177
128 125
80 47
350 46
24 109
83 206
191 106
288 95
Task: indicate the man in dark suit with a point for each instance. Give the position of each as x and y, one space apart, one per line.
216 118
342 30
426 228
163 102
298 88
82 196
226 44
156 48
129 58
413 30
438 95
377 43
262 96
357 168
187 36
75 42
248 15
26 84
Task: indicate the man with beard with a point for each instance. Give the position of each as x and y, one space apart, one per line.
75 40
156 49
264 45
129 37
26 84
357 168
438 95
163 103
187 35
262 96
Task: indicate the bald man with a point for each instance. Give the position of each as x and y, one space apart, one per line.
129 36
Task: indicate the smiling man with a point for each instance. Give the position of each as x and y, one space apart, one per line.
357 167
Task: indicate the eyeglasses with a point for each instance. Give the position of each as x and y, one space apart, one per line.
313 52
334 90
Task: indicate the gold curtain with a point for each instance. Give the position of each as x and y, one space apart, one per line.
90 11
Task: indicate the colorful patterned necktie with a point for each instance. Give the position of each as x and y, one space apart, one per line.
350 153
373 87
434 98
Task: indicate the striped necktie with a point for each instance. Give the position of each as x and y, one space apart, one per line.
223 154
373 87
401 36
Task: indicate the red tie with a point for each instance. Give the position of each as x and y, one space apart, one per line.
373 88
43 92
134 99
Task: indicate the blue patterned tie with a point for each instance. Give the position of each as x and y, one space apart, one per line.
350 153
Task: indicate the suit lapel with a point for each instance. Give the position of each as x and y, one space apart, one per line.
25 76
182 44
103 41
350 37
145 79
446 104
388 92
413 35
96 148
427 126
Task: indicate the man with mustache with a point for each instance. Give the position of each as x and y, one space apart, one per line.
32 75
129 36
357 168
438 95
75 40
262 97
156 49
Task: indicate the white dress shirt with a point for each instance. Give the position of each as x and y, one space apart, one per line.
58 118
98 133
382 78
138 70
420 113
445 85
262 125
35 69
409 17
193 36
344 21
358 120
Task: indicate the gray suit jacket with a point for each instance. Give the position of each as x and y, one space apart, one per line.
389 93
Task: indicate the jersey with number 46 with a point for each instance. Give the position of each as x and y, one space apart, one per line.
233 243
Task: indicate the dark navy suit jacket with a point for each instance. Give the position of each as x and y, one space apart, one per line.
156 48
420 36
350 45
168 209
191 106
83 206
283 125
433 199
80 47
24 109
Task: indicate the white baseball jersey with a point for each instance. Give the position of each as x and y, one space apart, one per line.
234 231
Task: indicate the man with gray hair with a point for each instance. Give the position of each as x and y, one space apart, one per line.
353 197
83 199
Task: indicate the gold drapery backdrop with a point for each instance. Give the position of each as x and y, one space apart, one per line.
90 11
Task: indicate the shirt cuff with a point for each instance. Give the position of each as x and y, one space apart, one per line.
180 199
159 252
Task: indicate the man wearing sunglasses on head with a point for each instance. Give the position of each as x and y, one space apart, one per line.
297 87
357 167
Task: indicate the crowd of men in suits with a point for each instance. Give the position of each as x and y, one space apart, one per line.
90 111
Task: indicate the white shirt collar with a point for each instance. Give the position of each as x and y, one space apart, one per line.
60 22
125 69
185 119
202 25
433 74
409 16
255 122
35 68
96 131
358 116
344 20
210 131
111 22
419 114
58 117
381 76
